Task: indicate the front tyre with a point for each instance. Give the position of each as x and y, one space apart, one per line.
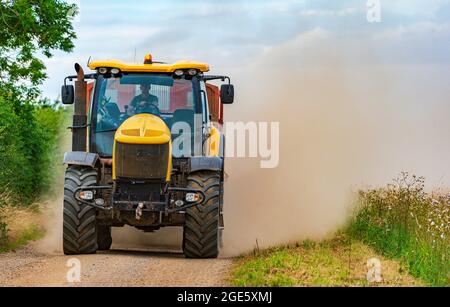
201 229
79 220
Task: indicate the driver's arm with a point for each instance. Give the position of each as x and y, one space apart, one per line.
133 105
154 100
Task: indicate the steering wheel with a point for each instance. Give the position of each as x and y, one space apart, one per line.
148 108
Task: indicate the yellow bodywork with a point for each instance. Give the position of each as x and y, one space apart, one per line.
214 142
144 129
150 68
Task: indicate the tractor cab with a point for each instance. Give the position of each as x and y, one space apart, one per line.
177 93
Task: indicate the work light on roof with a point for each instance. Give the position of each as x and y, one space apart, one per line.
148 59
102 70
178 72
192 72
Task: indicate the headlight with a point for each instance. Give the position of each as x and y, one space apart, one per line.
102 70
192 197
178 72
87 195
115 71
192 72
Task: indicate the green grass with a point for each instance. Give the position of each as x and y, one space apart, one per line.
337 262
32 233
424 259
405 223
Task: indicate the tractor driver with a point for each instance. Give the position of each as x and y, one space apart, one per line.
145 102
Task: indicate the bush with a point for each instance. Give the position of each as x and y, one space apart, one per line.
49 121
29 135
403 221
13 162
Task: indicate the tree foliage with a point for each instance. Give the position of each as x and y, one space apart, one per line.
30 30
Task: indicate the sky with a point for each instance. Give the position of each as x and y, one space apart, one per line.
229 35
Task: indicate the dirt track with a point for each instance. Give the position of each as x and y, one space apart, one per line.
118 267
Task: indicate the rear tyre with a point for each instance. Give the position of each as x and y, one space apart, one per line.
79 220
104 238
201 229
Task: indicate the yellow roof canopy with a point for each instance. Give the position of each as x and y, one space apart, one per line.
152 67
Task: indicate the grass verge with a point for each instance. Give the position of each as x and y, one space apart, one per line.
31 233
339 262
403 222
19 226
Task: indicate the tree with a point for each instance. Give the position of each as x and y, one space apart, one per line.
28 29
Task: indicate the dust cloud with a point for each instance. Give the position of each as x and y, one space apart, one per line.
53 225
52 202
347 121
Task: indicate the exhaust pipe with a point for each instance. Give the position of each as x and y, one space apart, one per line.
79 135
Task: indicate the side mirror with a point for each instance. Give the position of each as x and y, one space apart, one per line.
227 93
67 94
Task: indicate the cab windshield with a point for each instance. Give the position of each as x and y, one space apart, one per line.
120 98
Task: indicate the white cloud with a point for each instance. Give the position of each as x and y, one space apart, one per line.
414 8
116 32
414 30
327 13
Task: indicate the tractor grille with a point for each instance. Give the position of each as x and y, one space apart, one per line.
149 161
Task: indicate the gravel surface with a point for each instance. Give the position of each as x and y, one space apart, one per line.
119 267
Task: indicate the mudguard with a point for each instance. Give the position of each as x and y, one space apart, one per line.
206 164
81 158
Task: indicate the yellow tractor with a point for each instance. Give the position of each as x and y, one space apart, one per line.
147 151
